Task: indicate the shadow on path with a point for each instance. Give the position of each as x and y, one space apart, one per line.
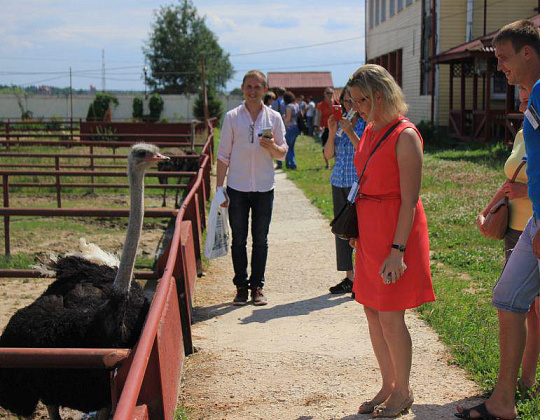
301 307
204 313
423 411
266 313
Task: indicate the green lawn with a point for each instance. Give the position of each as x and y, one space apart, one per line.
457 184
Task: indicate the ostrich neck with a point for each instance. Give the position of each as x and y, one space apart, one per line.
122 282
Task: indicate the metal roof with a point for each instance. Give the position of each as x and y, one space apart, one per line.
480 46
291 80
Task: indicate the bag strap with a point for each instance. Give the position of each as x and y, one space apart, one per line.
523 162
390 130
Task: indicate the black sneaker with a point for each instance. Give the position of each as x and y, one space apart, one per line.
258 297
345 286
241 297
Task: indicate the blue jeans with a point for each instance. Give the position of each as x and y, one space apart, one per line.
310 125
290 136
260 204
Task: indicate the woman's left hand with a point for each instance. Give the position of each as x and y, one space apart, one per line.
393 267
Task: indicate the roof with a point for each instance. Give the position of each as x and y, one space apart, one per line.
291 80
480 46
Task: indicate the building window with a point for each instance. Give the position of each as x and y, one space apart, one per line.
392 7
399 5
383 10
377 10
391 62
371 14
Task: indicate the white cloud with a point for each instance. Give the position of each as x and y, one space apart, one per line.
220 24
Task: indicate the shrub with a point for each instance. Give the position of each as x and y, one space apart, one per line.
433 136
156 105
137 108
98 108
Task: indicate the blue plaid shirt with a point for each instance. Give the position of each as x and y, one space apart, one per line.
344 172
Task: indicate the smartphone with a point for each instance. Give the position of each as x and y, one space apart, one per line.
266 132
336 111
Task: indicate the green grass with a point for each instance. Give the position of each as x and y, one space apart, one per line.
182 413
457 184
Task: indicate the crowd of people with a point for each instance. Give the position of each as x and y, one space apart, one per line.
378 156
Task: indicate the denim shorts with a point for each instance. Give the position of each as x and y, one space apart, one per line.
519 282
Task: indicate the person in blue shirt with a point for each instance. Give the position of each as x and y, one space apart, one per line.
279 103
342 146
517 49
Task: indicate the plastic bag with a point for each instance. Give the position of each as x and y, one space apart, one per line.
217 235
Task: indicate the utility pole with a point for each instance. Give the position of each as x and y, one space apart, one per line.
103 70
70 104
205 97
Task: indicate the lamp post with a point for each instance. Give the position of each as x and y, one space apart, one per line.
145 70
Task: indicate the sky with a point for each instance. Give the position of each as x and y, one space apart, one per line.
41 39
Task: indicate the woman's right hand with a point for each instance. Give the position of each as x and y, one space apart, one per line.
346 126
332 125
515 190
352 243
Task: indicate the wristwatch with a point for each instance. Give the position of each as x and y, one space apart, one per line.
400 248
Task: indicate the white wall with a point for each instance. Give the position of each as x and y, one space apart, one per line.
177 107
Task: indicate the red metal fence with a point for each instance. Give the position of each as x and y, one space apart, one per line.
145 379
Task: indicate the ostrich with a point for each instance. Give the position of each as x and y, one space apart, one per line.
176 164
93 303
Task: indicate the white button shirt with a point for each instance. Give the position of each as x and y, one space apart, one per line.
251 166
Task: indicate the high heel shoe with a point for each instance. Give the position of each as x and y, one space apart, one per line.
388 412
368 407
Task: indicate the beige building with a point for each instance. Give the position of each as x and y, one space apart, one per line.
405 35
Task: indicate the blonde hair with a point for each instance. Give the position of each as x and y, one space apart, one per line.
372 78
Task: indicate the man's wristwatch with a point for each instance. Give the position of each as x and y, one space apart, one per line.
400 248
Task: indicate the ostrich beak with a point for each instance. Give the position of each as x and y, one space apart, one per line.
158 157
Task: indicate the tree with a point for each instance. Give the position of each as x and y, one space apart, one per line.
215 105
237 92
178 42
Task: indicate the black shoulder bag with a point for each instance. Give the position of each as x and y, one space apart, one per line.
345 224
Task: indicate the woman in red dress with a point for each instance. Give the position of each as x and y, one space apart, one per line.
392 250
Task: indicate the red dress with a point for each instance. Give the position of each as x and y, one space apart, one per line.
377 208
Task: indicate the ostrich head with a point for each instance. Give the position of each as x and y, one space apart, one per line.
142 156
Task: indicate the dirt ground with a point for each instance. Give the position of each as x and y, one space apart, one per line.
109 234
307 354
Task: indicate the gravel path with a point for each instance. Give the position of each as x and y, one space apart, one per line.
307 354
